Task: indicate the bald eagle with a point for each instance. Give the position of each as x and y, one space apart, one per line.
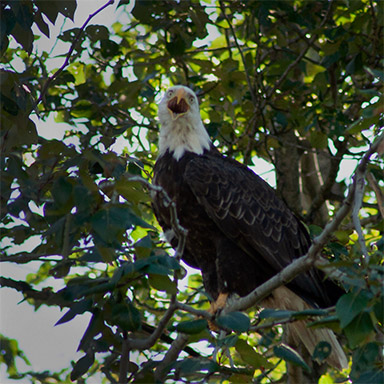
240 233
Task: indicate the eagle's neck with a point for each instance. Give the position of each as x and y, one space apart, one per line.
181 135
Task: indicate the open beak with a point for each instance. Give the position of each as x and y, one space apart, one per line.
178 105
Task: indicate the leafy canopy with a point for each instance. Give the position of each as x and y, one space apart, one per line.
296 83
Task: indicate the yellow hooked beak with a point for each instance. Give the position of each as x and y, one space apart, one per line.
178 105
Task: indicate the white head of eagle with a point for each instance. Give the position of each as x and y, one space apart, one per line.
182 129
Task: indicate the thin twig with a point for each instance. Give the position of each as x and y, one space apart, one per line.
378 192
248 78
198 312
180 231
302 54
322 194
358 200
69 54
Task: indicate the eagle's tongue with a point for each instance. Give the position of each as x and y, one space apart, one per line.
178 106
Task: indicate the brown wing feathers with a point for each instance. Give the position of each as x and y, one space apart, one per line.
246 209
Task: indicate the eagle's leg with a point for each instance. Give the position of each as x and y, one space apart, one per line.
215 307
219 303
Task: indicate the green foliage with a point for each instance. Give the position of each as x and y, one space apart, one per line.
291 82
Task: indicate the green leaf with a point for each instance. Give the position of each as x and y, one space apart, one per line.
192 365
67 8
309 312
237 321
349 306
275 314
97 32
291 356
50 9
359 329
372 377
62 191
141 11
378 308
126 316
162 283
109 48
191 327
131 191
328 322
250 356
94 327
111 222
81 367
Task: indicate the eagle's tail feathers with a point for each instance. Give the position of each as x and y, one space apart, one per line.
284 298
312 337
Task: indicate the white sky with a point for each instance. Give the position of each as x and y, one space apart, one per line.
48 347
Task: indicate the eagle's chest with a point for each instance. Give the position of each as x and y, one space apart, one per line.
169 174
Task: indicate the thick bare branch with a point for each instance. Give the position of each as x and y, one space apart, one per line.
171 356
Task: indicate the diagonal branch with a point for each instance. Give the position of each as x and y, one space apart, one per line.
305 262
171 356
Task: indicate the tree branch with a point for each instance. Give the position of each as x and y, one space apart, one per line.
173 352
141 344
124 360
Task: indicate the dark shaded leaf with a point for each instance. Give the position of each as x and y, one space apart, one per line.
126 316
275 314
250 356
237 321
191 327
76 309
350 305
372 377
81 367
290 356
359 329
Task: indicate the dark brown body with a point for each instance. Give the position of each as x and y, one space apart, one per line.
239 233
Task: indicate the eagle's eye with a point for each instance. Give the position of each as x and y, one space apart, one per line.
191 99
170 92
